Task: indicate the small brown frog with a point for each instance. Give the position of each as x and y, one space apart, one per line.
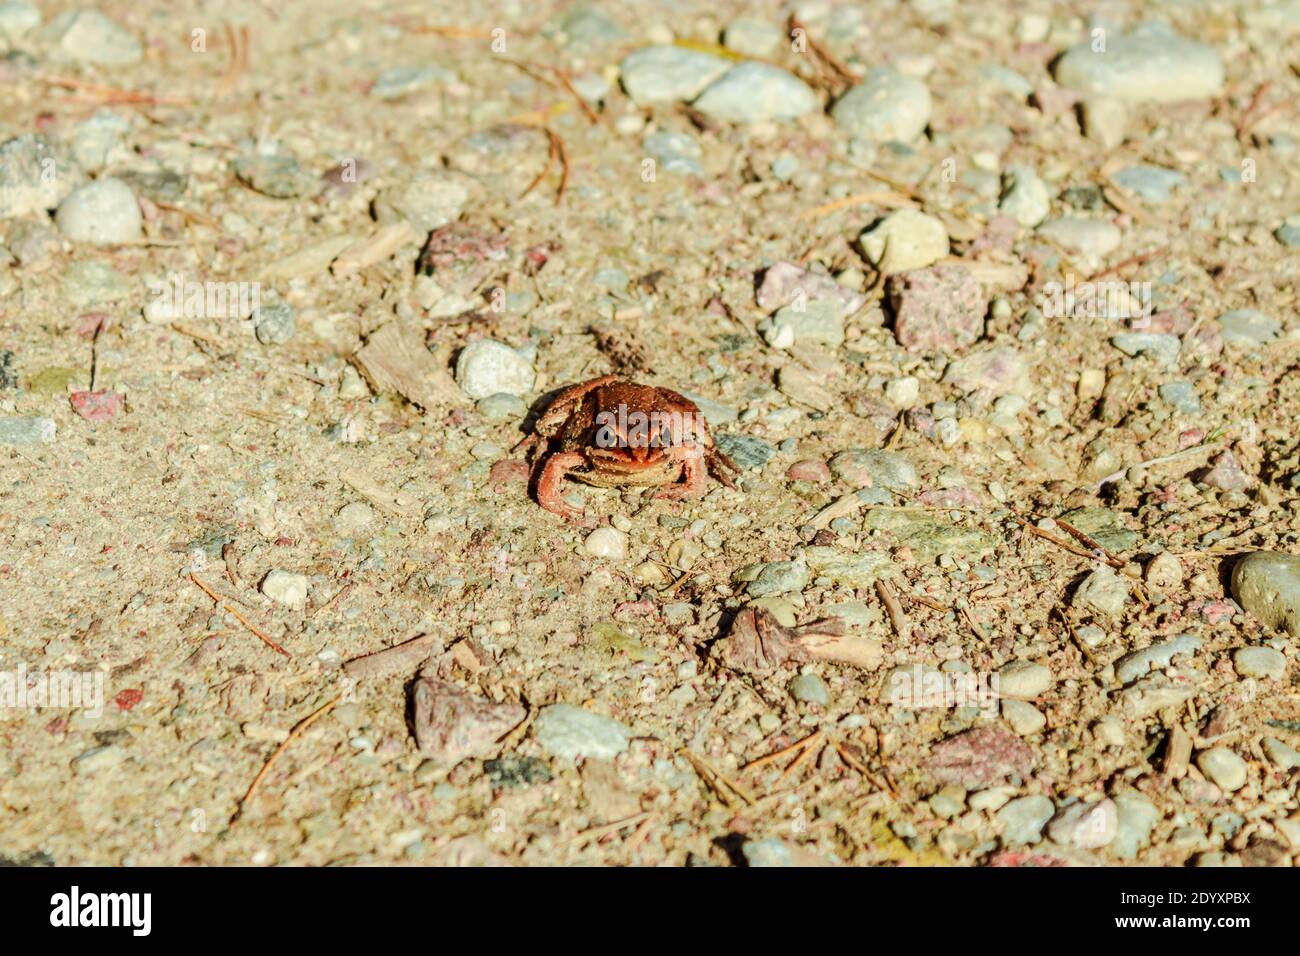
613 434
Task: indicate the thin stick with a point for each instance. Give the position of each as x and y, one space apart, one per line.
778 754
859 766
550 161
822 54
297 731
605 829
895 610
564 163
803 755
716 781
238 617
887 198
1088 542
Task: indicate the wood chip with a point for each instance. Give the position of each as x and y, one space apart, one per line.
400 657
374 248
396 360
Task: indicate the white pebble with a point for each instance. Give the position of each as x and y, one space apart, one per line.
607 543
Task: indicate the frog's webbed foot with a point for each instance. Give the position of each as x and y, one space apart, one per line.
550 481
693 483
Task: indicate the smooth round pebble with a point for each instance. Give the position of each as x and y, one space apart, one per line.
1223 767
487 367
1259 662
103 211
607 543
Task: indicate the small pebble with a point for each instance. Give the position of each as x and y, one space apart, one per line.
607 543
286 587
487 367
103 211
1222 766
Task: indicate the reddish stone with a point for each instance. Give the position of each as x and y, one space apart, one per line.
940 309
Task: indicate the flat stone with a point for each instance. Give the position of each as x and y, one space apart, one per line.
1158 656
752 37
1153 183
674 152
748 451
398 81
1094 239
276 175
1022 820
1160 346
1248 328
1151 64
754 92
1261 662
1267 585
1103 526
819 321
1000 370
487 367
1087 826
87 36
875 467
927 536
569 732
779 577
979 758
1279 754
26 430
885 106
850 570
665 73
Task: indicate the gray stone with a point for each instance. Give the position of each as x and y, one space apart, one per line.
674 152
502 407
1139 663
1150 182
885 106
92 283
1248 328
276 175
875 467
810 689
765 853
1182 396
487 367
26 430
756 92
1260 662
666 73
17 19
1091 238
851 570
398 81
1102 592
87 36
1135 818
818 321
1022 820
748 451
1087 826
1267 586
753 38
95 138
1151 64
273 323
927 536
569 732
35 175
1162 347
778 577
427 202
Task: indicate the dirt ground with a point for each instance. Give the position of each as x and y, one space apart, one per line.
137 542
